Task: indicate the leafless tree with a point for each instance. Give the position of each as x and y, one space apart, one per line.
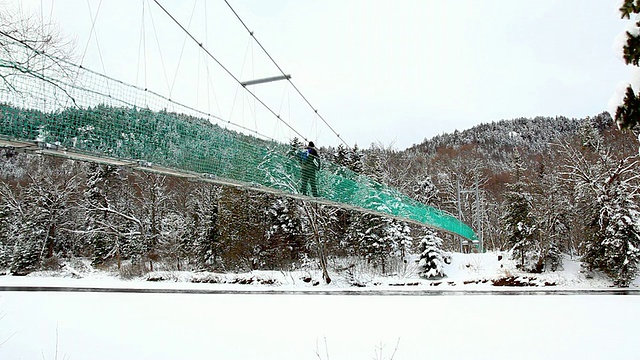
32 48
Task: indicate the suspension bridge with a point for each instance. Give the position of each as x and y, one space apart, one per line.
58 108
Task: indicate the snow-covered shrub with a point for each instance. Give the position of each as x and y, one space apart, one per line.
553 258
5 257
354 272
432 259
26 258
132 269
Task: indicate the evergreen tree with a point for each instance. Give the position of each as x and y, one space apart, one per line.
519 222
375 164
243 225
432 259
5 218
171 245
607 190
589 134
47 210
553 210
204 242
628 114
425 191
378 239
614 246
365 235
21 253
284 236
340 156
355 160
112 209
153 202
100 187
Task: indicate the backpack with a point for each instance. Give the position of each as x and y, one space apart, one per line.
309 161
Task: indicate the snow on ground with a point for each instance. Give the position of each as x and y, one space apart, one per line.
61 325
465 272
176 326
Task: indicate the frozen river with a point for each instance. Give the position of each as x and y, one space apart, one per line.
90 325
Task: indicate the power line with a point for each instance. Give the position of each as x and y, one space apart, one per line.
283 73
224 68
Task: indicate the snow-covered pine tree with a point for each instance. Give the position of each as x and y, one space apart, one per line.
424 190
399 234
171 246
48 209
590 135
355 160
607 190
112 215
373 165
520 225
242 225
5 252
153 200
286 242
379 239
432 259
628 113
340 156
366 235
293 153
203 242
100 186
615 248
553 211
20 253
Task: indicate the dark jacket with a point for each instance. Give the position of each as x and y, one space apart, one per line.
310 159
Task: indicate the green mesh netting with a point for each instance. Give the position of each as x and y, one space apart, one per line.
91 114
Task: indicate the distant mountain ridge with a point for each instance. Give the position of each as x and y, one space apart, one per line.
533 135
495 142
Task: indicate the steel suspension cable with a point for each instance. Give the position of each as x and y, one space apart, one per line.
142 47
283 73
175 76
225 68
164 68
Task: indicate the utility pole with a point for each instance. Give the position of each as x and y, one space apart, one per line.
479 217
459 209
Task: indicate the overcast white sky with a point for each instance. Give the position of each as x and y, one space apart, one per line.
390 72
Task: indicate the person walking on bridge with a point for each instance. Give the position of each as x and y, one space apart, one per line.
310 164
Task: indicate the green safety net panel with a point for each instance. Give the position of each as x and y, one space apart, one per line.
91 114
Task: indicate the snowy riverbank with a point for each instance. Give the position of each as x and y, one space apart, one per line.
279 325
488 271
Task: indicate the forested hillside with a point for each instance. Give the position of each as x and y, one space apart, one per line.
539 187
545 186
498 139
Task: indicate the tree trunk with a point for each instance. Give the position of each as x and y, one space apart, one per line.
51 240
118 257
313 217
